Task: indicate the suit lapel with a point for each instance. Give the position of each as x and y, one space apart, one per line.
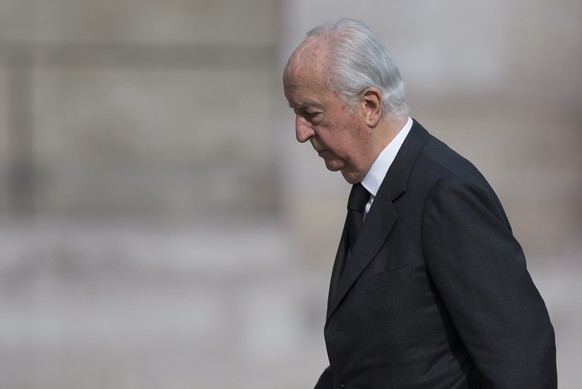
338 264
379 222
374 233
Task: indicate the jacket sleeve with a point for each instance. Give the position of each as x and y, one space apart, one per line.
479 270
325 380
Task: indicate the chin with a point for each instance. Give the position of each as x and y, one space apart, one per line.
333 167
333 164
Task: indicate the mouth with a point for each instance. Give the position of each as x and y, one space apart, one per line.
320 150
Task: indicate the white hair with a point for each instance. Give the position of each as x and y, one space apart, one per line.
359 60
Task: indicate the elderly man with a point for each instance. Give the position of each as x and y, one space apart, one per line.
429 288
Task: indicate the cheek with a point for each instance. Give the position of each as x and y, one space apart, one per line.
340 136
343 149
348 138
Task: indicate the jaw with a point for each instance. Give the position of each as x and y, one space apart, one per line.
349 172
333 165
351 175
352 178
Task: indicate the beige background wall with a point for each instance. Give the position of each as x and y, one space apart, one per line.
160 225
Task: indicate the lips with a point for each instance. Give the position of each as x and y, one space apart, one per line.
320 151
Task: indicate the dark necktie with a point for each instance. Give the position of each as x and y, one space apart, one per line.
359 196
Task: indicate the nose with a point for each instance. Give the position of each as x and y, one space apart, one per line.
303 130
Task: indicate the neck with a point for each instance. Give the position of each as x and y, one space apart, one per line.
382 135
388 128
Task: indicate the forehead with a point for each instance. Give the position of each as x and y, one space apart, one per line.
305 94
311 51
305 73
307 62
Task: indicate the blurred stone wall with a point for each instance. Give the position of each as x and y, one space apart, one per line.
139 212
137 109
161 227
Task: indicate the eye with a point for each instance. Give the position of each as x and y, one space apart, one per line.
311 116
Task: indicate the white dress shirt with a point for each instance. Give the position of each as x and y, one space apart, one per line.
373 179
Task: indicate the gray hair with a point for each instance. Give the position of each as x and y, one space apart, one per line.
359 60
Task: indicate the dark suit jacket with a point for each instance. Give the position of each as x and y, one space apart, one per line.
435 293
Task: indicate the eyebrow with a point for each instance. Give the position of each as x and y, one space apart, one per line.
305 105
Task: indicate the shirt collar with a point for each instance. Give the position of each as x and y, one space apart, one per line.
373 179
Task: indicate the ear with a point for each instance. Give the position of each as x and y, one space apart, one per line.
372 104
